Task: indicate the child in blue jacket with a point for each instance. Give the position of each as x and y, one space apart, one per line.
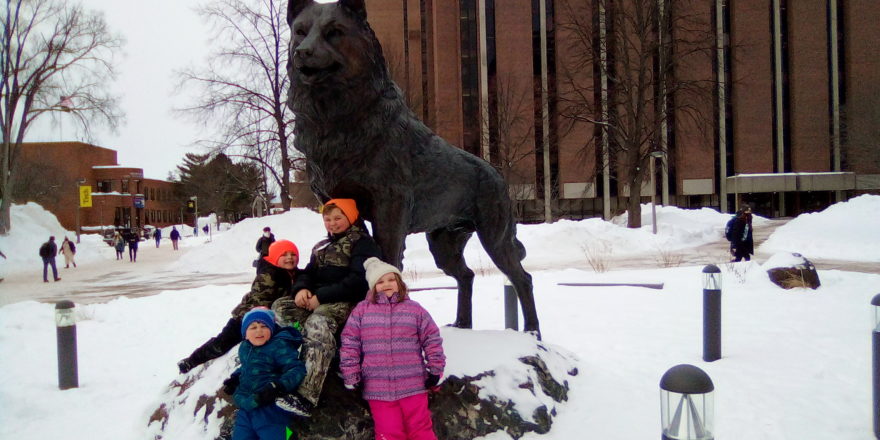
270 367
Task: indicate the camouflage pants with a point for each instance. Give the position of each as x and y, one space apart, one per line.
319 328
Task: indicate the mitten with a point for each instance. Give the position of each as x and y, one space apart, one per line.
231 384
269 393
431 381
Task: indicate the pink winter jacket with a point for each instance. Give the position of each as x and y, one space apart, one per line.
400 344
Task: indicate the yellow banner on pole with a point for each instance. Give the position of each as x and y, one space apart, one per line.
85 196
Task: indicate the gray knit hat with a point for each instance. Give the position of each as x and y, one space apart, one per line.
376 268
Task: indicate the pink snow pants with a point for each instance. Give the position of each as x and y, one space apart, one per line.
404 419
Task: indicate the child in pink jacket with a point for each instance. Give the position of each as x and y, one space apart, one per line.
393 349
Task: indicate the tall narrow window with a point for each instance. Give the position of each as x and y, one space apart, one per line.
492 79
423 14
781 101
837 83
470 99
544 74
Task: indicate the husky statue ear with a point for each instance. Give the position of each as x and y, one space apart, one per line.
294 7
357 6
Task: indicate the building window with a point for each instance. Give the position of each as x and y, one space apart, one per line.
781 89
539 95
104 186
470 91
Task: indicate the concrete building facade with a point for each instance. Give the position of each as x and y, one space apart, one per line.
790 121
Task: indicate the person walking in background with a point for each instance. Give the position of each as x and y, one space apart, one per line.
48 251
118 244
158 236
392 349
175 235
68 249
133 239
742 246
263 244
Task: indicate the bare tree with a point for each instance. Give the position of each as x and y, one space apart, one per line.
638 53
243 86
54 57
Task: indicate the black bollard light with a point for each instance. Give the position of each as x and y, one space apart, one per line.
65 326
687 409
711 313
511 306
875 345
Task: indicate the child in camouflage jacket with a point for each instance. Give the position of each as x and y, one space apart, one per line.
272 283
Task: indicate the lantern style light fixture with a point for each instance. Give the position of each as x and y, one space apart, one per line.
711 277
687 404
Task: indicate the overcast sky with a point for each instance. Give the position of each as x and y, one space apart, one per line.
161 36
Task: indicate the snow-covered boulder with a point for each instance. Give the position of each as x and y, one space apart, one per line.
494 380
790 270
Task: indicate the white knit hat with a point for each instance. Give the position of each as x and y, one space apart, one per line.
376 268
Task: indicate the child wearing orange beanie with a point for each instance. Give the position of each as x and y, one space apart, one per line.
272 283
324 295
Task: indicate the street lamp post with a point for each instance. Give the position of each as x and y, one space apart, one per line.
195 200
79 182
875 345
711 313
654 155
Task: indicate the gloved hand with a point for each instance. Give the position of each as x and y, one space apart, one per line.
431 381
269 393
231 384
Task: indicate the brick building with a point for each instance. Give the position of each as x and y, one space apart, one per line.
793 114
121 196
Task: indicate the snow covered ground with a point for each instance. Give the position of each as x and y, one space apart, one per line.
796 364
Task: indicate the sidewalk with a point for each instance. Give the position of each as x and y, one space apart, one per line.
104 280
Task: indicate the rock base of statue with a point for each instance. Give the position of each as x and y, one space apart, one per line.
495 381
796 271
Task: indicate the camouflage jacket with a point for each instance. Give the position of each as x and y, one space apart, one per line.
335 272
270 284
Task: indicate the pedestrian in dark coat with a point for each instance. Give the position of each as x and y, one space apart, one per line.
270 366
271 284
48 250
158 236
742 246
262 247
175 235
132 239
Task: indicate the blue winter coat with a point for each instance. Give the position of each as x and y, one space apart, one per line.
276 360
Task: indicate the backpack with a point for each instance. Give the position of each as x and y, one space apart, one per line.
728 229
45 250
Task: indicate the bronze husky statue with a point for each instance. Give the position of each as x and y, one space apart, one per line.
361 141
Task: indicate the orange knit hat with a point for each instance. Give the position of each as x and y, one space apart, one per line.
347 206
279 248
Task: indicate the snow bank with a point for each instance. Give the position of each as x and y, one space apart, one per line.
847 231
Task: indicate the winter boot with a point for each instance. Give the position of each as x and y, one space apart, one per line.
296 404
215 347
